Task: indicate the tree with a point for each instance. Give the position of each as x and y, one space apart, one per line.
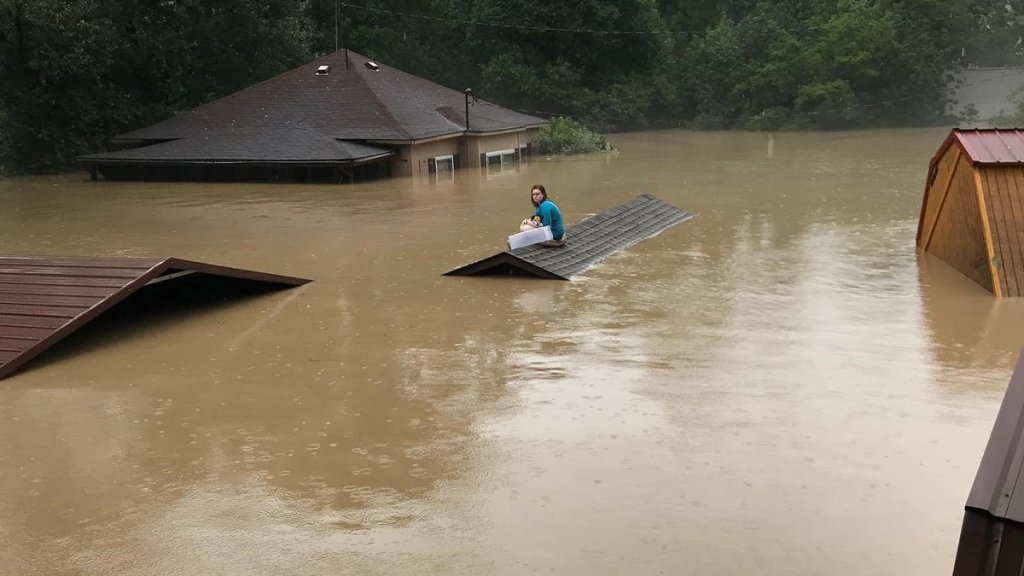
79 71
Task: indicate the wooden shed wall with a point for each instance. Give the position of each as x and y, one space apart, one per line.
935 193
952 227
1003 188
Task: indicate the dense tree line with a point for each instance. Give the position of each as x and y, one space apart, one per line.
75 72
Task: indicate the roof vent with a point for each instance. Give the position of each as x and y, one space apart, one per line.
372 66
323 70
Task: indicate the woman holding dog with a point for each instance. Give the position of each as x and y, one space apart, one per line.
547 212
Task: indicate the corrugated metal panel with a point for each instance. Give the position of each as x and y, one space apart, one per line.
992 534
995 485
42 300
587 243
989 546
992 146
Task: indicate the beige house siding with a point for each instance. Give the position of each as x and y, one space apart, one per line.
477 145
413 159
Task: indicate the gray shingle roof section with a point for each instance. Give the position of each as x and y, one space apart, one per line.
587 242
279 147
350 102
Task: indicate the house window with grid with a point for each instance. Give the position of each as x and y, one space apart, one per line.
500 160
442 168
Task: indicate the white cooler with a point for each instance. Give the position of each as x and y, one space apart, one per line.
530 237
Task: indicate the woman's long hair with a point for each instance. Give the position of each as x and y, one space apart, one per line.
542 191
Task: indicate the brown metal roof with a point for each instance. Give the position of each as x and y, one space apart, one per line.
986 146
995 486
992 533
42 300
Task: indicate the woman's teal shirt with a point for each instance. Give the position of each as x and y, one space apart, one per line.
551 216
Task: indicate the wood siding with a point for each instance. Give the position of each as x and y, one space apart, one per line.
952 227
935 194
1003 188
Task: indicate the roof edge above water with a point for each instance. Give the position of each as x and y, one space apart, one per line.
45 299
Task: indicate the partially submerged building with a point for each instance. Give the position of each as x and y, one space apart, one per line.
339 118
45 299
972 215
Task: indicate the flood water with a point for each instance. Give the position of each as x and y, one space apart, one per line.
782 385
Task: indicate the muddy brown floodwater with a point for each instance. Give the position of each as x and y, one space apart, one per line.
782 385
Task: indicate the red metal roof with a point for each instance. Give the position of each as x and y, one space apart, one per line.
43 300
987 146
993 146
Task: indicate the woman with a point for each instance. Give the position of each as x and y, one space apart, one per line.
548 213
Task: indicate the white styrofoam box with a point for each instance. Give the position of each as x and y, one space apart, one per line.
530 237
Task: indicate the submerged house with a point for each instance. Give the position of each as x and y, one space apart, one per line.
340 118
972 215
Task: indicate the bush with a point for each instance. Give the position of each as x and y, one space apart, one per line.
566 136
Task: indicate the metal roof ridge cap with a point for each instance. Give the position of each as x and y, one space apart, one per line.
233 272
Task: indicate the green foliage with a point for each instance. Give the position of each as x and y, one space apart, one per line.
996 29
566 136
77 72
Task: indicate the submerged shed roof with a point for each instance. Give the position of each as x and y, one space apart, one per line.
43 300
986 145
587 242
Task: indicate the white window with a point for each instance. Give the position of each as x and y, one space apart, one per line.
500 160
442 168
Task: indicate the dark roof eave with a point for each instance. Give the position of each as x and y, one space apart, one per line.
455 134
170 162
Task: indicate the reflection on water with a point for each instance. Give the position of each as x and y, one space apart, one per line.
778 385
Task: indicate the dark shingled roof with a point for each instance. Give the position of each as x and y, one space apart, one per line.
302 115
279 147
587 242
43 299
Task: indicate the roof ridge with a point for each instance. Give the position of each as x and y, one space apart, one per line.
376 97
